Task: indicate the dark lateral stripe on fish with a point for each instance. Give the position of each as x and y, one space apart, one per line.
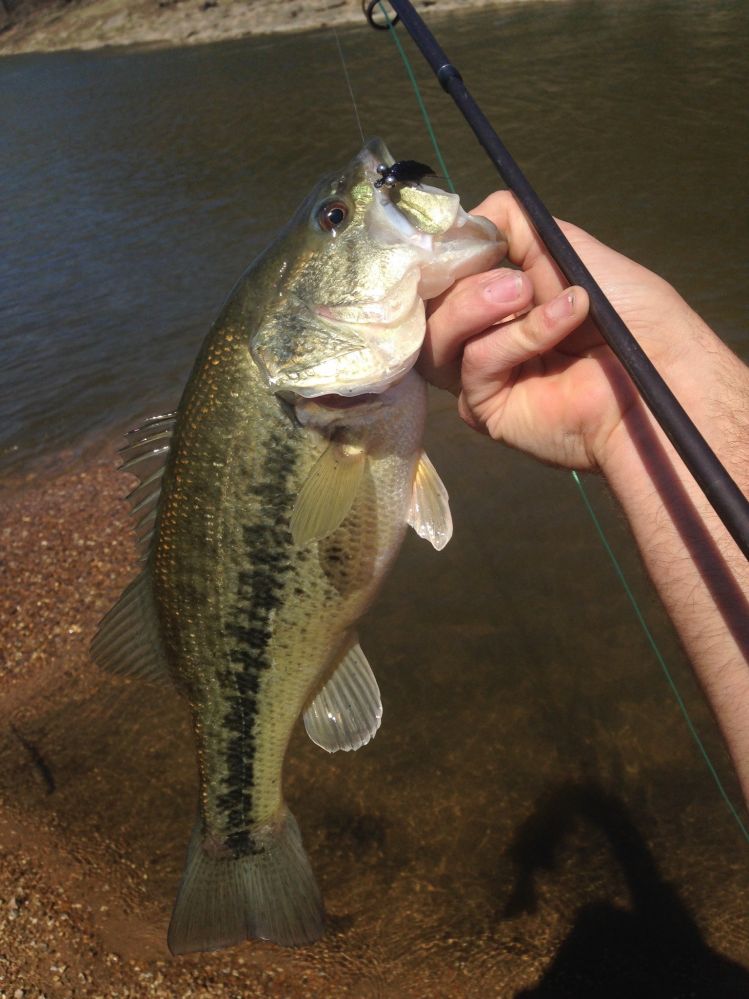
259 592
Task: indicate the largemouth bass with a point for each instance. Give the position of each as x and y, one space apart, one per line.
290 472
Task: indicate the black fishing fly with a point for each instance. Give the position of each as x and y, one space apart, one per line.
402 172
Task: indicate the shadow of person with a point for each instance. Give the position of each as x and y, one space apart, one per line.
653 948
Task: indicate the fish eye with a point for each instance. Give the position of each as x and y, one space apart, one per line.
331 215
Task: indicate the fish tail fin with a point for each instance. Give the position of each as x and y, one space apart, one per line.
271 894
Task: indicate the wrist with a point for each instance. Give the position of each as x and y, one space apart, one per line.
712 385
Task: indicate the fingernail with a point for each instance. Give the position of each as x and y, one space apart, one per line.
560 307
505 288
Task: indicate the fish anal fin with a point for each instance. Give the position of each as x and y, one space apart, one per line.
328 493
347 712
128 640
429 513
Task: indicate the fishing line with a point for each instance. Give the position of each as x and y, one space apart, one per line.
420 101
581 489
656 650
350 88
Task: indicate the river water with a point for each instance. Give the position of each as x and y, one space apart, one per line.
533 804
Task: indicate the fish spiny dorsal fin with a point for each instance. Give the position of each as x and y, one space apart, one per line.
145 456
128 640
328 493
347 712
429 514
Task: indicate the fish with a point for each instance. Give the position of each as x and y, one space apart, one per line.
270 506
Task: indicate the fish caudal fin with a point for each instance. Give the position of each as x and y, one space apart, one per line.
269 895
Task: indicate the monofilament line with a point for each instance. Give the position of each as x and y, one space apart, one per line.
658 654
350 88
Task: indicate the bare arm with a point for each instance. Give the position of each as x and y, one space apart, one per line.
700 574
531 370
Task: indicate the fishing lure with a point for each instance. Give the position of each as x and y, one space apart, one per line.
402 172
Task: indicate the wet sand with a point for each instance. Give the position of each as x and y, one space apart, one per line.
463 853
89 24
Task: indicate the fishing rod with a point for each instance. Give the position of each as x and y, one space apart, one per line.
710 475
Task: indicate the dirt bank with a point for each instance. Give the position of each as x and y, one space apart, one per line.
53 25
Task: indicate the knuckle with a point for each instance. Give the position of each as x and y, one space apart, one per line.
531 330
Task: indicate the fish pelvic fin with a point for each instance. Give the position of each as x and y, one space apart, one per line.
347 712
328 493
268 895
128 640
429 513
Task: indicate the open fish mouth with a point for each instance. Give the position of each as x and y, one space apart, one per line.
355 324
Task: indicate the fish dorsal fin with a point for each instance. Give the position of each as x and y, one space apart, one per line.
328 492
347 712
128 640
145 456
429 513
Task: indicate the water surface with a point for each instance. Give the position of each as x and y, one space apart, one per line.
137 187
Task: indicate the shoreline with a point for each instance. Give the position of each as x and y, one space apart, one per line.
86 25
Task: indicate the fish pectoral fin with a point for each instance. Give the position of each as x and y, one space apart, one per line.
128 640
347 712
328 493
429 513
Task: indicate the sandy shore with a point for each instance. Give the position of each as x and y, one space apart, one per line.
54 25
411 845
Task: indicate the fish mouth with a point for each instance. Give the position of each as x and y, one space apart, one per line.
330 349
372 346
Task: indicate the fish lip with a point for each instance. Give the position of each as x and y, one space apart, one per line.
372 154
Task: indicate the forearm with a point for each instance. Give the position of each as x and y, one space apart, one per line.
699 572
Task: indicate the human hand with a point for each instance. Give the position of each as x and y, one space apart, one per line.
530 369
528 365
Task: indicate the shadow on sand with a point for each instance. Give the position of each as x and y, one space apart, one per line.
653 948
